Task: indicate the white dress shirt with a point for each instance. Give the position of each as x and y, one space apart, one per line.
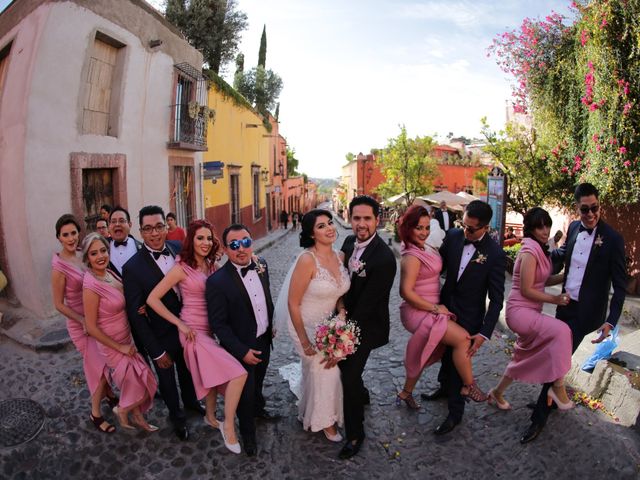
579 259
436 234
258 299
122 253
445 219
358 248
467 255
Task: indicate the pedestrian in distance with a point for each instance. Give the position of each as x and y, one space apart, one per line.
67 274
542 352
432 325
240 311
174 231
213 370
102 227
105 211
106 320
160 338
593 260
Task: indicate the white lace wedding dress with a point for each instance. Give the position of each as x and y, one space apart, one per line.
319 389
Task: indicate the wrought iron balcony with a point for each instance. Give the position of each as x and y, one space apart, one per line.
189 127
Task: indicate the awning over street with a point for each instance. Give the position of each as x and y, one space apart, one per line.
455 201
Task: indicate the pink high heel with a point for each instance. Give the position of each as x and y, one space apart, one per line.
552 397
493 400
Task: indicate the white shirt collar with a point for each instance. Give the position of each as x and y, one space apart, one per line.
366 243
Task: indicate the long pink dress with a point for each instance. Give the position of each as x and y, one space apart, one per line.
93 362
424 347
131 374
210 364
542 352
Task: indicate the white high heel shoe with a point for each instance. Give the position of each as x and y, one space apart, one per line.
551 395
333 438
232 447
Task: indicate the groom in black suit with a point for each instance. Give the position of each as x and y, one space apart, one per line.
475 266
160 338
372 267
240 312
593 260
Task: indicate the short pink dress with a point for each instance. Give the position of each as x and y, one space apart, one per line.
130 374
210 364
93 362
424 347
542 352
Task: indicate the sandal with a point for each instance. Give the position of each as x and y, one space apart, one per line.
408 400
101 424
474 393
140 422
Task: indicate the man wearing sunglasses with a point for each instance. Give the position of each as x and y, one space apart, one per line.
475 266
240 312
593 260
140 275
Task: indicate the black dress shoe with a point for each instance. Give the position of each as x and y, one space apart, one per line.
197 408
181 432
350 448
437 395
266 416
250 447
446 426
531 433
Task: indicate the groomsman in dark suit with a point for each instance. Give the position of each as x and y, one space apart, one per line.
593 260
160 338
122 245
475 268
444 217
372 267
240 312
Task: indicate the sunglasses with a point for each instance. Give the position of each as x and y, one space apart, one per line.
244 243
472 230
584 209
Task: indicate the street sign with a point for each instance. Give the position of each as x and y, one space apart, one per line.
497 198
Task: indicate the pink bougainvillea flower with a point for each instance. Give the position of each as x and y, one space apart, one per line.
622 150
627 163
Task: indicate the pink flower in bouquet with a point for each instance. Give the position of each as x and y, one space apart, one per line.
336 338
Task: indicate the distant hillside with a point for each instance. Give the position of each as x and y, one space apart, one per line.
325 185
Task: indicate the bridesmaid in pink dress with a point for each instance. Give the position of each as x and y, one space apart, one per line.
212 368
67 273
431 324
106 319
542 352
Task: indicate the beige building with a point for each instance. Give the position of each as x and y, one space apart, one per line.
101 101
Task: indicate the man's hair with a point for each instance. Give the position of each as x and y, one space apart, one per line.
150 210
102 220
365 200
106 208
479 210
171 215
234 227
120 209
585 190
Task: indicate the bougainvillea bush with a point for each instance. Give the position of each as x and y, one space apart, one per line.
580 80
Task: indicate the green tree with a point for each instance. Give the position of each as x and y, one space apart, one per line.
292 162
212 26
350 157
408 166
262 53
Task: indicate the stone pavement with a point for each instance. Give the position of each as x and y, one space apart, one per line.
399 442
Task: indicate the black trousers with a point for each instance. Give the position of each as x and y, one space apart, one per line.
570 316
169 387
354 392
252 400
451 382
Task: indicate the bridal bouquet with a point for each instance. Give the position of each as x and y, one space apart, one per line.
336 338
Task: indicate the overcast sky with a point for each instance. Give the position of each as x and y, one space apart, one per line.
355 70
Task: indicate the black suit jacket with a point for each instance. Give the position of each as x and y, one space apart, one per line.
606 266
140 275
466 298
440 217
112 267
367 301
230 311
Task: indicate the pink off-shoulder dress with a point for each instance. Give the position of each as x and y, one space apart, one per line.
210 365
93 362
131 374
542 352
424 347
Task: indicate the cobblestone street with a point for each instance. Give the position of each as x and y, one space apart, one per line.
399 442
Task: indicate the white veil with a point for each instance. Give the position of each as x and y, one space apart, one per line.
281 317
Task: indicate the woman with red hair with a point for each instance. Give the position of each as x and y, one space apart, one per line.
432 325
212 368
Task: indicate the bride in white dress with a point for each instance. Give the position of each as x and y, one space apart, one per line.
311 293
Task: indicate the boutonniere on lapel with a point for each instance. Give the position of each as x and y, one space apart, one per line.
358 267
261 266
598 241
481 258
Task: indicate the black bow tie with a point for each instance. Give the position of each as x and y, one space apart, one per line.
475 243
585 229
244 270
116 243
164 252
